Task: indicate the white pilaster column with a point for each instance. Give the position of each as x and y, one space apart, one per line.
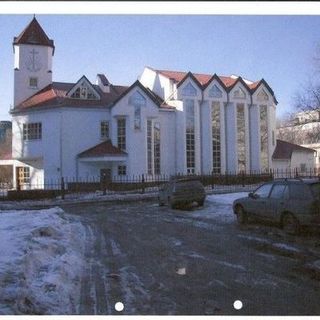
197 137
223 142
247 136
271 126
181 159
206 137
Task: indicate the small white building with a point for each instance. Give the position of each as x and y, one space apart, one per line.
288 157
303 129
166 122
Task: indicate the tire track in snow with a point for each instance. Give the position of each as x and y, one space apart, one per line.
87 299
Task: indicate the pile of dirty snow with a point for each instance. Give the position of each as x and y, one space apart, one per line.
41 262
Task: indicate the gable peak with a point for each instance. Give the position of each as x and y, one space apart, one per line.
33 34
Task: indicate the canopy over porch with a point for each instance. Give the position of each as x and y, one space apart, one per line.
103 152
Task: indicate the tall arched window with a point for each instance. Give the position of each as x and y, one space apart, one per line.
241 137
190 136
216 138
137 100
264 161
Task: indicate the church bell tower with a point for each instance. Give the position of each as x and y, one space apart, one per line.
33 52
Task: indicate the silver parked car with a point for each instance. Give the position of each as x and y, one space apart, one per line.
290 202
180 192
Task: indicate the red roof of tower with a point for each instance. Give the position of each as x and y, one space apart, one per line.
33 34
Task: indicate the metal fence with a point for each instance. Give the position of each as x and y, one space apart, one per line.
67 187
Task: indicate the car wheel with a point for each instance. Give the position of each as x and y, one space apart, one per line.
242 216
290 224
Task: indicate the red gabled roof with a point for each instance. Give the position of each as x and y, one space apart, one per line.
55 95
105 148
33 34
203 79
284 150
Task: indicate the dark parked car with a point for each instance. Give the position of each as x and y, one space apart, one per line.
290 202
182 192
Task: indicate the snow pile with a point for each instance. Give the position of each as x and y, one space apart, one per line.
221 210
76 198
41 262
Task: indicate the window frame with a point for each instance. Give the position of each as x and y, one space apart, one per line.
35 79
190 135
105 129
122 170
216 136
32 131
121 133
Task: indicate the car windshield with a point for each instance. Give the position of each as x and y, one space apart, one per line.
315 188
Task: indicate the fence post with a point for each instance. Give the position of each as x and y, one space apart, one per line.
242 178
142 181
62 188
104 184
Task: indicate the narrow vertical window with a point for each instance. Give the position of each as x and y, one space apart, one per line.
33 82
137 101
153 147
122 134
190 138
25 175
156 141
137 117
241 138
104 129
264 162
216 139
149 146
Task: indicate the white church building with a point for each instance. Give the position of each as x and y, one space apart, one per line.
166 122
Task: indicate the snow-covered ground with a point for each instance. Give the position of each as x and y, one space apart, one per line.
220 207
41 262
226 198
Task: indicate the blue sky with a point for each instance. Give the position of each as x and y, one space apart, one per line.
279 49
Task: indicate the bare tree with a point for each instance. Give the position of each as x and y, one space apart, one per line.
304 125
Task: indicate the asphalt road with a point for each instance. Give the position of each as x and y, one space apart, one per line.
159 261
